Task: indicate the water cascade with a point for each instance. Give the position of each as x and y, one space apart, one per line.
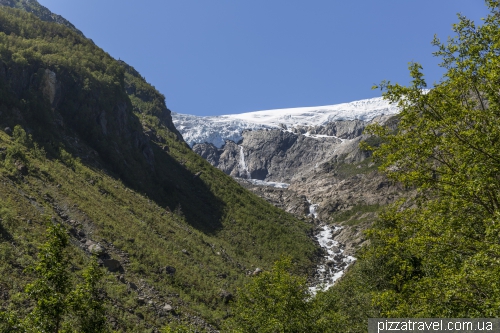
334 263
243 165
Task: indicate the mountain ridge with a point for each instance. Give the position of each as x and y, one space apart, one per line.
86 141
218 129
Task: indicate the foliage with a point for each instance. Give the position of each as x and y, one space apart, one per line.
103 182
52 287
57 308
274 301
87 301
439 252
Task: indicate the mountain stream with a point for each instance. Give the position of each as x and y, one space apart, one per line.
335 262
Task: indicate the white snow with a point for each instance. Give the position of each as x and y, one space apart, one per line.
317 136
264 183
218 129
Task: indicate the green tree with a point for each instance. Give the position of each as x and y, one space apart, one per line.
439 251
51 288
87 301
57 308
274 301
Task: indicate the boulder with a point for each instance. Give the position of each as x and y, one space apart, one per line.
170 270
226 296
112 265
23 169
96 248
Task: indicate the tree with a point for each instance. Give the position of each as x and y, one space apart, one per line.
56 307
87 301
52 287
274 301
440 250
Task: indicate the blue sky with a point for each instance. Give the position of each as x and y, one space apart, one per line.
230 56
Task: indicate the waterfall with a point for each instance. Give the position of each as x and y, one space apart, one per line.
243 165
312 209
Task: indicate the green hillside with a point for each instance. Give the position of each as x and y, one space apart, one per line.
86 141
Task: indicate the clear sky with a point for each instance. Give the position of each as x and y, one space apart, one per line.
212 57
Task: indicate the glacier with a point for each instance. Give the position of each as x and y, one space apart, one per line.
218 129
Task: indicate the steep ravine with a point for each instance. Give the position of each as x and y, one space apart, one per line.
330 183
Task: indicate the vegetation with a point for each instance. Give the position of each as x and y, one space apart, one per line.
93 146
438 253
358 214
275 301
434 254
343 170
113 172
56 307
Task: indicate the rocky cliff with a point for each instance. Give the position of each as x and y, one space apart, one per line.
330 178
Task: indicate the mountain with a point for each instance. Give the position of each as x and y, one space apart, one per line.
218 129
42 12
87 143
308 162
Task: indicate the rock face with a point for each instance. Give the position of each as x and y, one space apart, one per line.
287 155
330 178
271 155
51 87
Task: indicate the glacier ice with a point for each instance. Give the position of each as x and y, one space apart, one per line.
218 129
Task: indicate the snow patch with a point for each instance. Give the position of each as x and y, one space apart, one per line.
264 183
321 136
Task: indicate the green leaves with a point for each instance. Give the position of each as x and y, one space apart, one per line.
274 301
437 253
87 301
51 288
57 308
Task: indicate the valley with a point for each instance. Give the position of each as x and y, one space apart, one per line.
308 162
119 215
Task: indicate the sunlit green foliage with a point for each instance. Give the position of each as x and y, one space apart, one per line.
439 252
60 162
275 301
56 307
87 301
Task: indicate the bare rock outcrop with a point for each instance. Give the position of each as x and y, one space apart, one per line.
330 178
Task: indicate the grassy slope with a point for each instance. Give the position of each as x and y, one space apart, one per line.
103 189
